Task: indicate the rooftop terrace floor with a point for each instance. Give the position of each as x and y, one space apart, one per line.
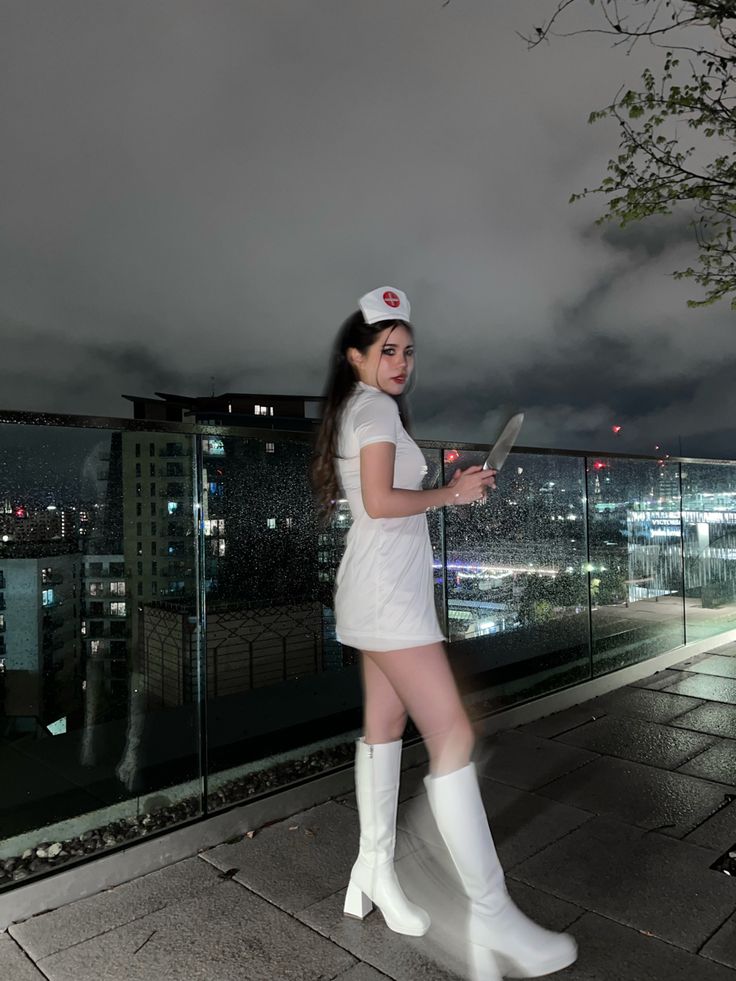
607 818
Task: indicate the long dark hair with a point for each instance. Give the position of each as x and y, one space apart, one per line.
341 379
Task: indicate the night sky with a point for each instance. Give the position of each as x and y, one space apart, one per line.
196 194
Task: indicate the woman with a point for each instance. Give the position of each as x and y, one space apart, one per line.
384 606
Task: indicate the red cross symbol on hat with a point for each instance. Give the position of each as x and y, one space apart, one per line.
391 299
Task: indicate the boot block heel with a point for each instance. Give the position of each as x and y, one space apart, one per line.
357 904
482 964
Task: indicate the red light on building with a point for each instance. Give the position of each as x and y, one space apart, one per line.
451 456
20 511
599 465
615 429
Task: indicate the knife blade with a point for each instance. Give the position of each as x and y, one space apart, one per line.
506 439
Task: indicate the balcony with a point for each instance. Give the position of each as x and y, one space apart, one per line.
549 594
275 914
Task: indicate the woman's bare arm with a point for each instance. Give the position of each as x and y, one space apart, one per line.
382 500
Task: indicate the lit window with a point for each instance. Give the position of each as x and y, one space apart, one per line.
270 447
47 596
213 446
221 546
117 588
117 609
271 523
289 522
172 507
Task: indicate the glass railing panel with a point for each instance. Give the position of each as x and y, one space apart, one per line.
635 563
96 637
516 580
709 526
281 691
284 698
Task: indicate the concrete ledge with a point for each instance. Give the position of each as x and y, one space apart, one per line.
143 856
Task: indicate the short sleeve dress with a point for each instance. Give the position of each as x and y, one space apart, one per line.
384 593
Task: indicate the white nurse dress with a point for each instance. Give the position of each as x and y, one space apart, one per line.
384 594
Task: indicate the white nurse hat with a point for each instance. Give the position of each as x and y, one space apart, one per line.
386 303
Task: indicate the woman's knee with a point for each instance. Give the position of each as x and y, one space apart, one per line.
383 727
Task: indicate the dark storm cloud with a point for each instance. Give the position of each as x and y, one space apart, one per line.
196 190
650 238
95 373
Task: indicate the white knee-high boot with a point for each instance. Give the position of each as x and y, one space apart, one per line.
373 879
502 939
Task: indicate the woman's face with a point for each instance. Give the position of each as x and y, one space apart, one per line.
388 362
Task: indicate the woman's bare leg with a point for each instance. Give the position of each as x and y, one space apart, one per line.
422 682
384 715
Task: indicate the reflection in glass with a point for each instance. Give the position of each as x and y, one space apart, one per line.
516 578
87 758
709 524
635 565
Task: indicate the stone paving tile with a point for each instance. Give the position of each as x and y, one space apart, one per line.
526 761
440 955
370 940
717 763
645 881
86 918
713 717
717 665
14 964
722 945
362 972
643 742
707 687
611 952
659 680
296 868
552 725
639 795
718 832
226 934
641 703
521 823
726 650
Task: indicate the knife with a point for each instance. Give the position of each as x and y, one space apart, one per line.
507 437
